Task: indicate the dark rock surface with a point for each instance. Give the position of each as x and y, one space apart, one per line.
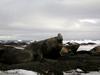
87 64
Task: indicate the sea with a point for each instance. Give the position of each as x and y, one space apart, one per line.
72 72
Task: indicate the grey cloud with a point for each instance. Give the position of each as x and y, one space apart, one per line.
30 19
83 10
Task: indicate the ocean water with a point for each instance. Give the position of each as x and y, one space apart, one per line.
73 72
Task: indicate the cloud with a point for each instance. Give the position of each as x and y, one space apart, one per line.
93 21
73 9
6 37
31 18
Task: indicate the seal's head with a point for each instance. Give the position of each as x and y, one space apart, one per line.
65 50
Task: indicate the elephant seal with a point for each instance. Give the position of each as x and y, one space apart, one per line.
95 50
73 46
48 48
11 55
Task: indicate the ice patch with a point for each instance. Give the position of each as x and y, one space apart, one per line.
18 72
82 41
86 47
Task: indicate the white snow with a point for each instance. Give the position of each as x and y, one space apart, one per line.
18 72
92 73
86 47
26 72
82 41
76 73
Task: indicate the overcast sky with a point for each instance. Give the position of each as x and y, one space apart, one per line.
40 19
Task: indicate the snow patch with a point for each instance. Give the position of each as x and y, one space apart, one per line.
82 41
18 72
